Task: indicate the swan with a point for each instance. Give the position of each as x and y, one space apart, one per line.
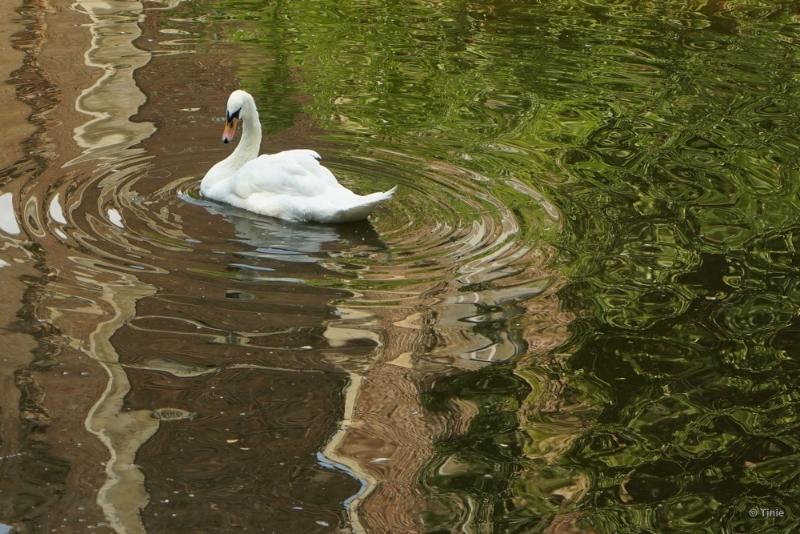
290 185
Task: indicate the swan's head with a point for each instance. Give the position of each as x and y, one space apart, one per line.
237 106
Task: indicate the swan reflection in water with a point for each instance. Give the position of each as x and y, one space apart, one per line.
280 240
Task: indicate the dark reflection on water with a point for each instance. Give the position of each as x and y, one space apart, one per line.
580 312
683 201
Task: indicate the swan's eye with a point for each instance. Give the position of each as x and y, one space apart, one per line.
234 115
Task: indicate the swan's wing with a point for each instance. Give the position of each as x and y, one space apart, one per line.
292 172
292 185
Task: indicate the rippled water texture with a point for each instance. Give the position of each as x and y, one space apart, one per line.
579 313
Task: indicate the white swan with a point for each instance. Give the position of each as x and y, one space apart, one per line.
290 185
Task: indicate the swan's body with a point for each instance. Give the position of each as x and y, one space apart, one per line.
290 185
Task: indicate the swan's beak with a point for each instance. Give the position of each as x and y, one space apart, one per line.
230 130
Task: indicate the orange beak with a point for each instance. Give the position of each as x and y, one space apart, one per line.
230 130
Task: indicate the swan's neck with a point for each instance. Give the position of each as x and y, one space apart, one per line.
247 149
250 143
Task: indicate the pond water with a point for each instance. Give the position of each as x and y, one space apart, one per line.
578 314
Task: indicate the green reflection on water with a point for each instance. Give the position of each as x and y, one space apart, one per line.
667 135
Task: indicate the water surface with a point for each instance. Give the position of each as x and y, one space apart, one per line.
578 314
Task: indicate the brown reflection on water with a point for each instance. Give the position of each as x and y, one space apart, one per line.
238 333
385 437
15 112
43 409
426 331
112 362
14 257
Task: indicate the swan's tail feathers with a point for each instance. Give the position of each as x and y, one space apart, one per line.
360 211
376 198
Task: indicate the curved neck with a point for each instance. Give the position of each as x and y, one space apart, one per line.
250 143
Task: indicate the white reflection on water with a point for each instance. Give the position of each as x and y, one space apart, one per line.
272 238
110 138
115 217
115 97
55 210
8 219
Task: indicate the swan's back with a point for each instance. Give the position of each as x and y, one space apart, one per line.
293 185
295 172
